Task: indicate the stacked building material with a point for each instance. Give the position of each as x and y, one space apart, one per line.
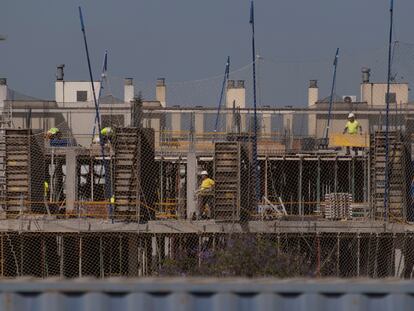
360 211
338 205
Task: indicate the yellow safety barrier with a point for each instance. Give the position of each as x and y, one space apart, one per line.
347 140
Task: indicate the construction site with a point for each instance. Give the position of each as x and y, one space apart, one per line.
72 206
101 186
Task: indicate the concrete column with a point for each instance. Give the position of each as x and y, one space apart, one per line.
199 123
161 92
71 179
155 124
313 91
235 98
288 129
176 123
191 183
133 256
266 124
128 90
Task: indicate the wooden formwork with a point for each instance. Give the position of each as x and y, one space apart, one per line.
232 172
24 171
134 171
399 176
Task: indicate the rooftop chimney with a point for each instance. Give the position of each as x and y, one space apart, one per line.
366 72
60 73
161 92
128 90
235 95
313 95
3 91
313 92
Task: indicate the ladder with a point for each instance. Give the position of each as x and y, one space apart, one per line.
399 175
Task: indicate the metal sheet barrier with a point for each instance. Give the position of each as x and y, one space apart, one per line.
206 294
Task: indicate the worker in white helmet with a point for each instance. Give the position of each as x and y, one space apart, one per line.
352 127
204 194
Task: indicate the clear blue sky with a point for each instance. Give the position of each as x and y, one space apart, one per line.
185 40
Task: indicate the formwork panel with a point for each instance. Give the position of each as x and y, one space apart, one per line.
24 171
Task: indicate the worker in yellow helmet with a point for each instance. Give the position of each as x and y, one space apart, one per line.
352 127
205 195
106 134
106 131
53 133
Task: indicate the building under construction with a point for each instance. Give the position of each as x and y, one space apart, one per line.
124 206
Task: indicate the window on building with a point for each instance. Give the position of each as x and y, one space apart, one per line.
393 98
81 96
112 120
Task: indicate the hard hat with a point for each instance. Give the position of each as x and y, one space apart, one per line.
351 115
204 173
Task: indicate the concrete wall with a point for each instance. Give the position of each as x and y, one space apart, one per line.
65 91
374 93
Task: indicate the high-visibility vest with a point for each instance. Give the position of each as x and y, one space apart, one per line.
207 184
46 187
352 127
112 199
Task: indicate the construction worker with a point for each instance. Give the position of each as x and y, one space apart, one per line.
53 133
45 189
106 134
352 127
204 194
